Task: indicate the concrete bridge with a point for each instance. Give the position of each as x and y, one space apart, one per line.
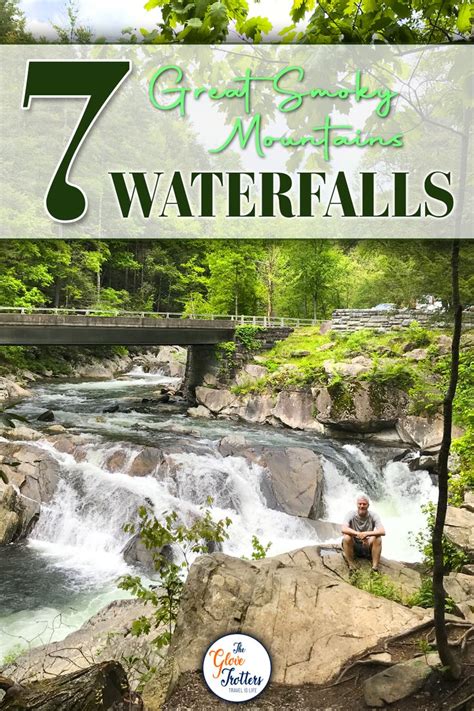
83 327
71 327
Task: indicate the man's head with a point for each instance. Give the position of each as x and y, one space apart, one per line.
362 505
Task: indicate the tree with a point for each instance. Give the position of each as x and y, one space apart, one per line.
327 22
12 24
203 21
73 32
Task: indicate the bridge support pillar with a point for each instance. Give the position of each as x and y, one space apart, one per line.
202 359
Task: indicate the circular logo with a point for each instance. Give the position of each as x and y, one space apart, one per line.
237 667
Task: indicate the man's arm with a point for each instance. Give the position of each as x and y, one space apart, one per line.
346 526
348 530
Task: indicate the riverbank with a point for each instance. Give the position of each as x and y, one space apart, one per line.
22 366
384 387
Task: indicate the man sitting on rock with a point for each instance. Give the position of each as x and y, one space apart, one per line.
362 533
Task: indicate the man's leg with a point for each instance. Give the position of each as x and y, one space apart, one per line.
375 543
348 548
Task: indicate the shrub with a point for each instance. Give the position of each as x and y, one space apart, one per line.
462 479
245 335
259 551
188 540
417 335
423 597
454 558
398 375
226 352
379 585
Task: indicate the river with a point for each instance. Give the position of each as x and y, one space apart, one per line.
68 568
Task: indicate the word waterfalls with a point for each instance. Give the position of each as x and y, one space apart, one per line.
304 194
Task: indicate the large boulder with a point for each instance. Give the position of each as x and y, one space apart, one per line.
310 620
20 432
295 409
424 432
399 681
297 480
17 513
169 360
9 515
296 474
214 400
146 462
250 373
405 578
31 469
359 406
357 366
11 391
200 411
459 529
136 553
460 588
255 408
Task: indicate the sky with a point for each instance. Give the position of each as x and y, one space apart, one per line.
108 17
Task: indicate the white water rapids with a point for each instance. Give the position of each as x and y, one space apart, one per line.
78 541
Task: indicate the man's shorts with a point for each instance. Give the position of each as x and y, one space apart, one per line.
361 550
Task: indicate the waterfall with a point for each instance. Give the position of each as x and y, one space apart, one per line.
397 498
81 529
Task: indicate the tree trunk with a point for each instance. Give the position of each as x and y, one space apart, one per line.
446 654
98 687
57 292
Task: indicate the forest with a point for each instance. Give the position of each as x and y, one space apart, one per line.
301 279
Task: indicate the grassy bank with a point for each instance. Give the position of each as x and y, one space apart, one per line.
52 360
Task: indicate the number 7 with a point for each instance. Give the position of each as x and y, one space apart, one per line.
96 81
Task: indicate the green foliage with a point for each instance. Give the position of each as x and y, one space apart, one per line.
158 538
259 551
417 335
140 667
255 386
403 22
73 32
463 408
379 585
245 336
426 398
13 655
203 21
226 352
453 558
424 646
60 360
299 278
342 397
462 479
397 374
12 23
423 597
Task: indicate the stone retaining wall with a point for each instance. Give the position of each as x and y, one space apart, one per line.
348 320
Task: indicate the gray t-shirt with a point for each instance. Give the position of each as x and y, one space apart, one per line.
370 523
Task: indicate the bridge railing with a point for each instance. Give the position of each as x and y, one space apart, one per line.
240 319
